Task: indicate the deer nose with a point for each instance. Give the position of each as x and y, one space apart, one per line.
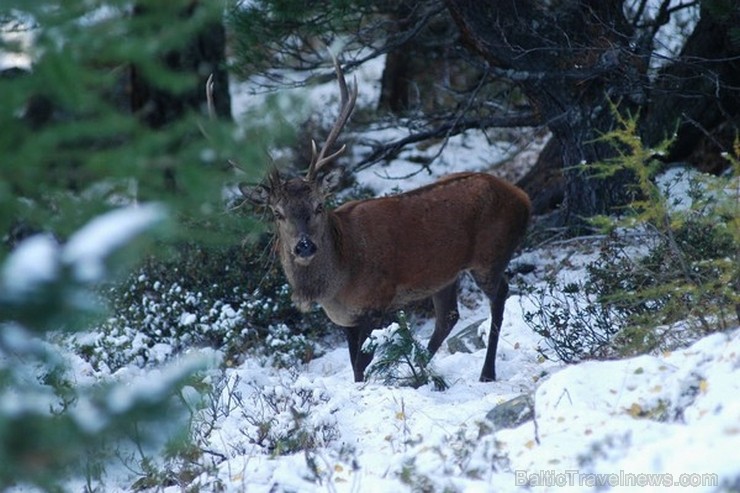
305 247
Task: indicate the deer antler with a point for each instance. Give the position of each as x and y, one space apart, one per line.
210 84
346 105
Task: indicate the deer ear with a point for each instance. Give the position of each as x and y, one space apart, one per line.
330 181
255 194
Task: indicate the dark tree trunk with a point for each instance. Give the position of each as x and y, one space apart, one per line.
571 62
396 80
576 60
395 89
698 96
544 183
205 54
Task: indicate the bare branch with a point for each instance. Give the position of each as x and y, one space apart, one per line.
449 129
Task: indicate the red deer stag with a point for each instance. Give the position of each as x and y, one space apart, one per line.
369 257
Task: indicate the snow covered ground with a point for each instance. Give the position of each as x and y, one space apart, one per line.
668 422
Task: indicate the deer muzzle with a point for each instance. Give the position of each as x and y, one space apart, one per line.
305 248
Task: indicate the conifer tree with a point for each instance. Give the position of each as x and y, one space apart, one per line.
102 112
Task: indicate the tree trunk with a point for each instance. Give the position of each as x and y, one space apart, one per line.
394 93
571 62
397 77
697 97
544 183
204 55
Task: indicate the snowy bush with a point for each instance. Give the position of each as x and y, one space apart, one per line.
165 321
288 350
468 453
282 419
573 322
279 416
204 297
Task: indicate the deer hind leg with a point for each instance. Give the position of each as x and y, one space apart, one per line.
496 287
446 315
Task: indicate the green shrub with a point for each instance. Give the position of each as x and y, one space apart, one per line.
399 359
286 349
573 321
668 270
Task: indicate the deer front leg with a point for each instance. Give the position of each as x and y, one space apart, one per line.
356 337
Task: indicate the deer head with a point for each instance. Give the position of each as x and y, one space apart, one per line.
298 204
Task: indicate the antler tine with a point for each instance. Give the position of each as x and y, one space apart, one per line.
347 105
209 97
210 84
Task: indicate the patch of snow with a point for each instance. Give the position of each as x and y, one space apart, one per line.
635 420
188 319
681 184
34 263
247 104
160 352
675 184
470 151
22 56
89 247
672 35
614 423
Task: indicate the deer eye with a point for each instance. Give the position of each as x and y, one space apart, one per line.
278 215
319 209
